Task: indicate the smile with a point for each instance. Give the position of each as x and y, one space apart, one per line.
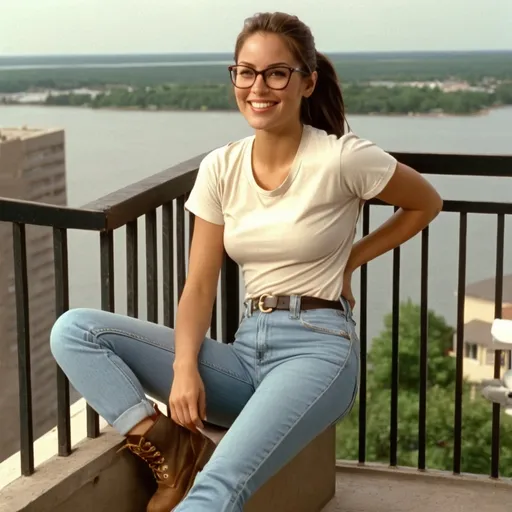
262 106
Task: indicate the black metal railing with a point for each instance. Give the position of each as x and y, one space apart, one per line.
446 165
167 191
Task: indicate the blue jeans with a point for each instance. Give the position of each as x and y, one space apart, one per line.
287 377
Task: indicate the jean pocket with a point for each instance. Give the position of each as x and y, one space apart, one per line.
326 321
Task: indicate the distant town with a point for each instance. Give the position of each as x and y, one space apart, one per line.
462 83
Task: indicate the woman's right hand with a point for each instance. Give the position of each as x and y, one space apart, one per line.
188 398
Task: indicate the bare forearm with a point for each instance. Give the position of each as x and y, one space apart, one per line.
402 226
192 322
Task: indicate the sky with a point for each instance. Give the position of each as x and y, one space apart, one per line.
45 27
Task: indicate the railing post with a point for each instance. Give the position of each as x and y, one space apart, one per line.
363 335
151 267
459 372
60 243
231 306
168 263
24 366
422 416
395 341
132 269
180 244
498 307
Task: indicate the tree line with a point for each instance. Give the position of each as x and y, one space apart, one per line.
474 67
359 99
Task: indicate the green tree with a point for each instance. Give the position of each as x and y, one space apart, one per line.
504 93
441 367
476 412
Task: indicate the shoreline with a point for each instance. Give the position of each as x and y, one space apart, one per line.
480 113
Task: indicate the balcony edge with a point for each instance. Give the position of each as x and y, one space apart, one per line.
441 477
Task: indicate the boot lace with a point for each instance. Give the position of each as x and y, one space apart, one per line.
151 456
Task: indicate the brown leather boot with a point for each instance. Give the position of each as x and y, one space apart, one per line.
175 455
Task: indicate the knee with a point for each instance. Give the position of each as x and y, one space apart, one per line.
66 331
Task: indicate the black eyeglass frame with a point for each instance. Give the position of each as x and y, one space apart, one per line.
262 73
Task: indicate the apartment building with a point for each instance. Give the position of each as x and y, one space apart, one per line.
479 347
32 167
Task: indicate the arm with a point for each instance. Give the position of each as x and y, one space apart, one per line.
187 399
418 202
196 303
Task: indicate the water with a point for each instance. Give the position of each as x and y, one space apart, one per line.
107 150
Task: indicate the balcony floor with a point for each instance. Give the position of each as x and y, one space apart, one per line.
384 490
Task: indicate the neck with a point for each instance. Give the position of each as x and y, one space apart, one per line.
275 149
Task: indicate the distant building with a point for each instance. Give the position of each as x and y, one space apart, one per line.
32 167
479 349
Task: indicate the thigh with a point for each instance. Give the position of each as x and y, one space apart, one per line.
293 404
148 350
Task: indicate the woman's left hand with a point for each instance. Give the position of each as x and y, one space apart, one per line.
347 289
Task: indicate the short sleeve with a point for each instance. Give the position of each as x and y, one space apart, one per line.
205 198
365 168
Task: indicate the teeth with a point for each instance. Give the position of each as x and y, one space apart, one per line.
261 105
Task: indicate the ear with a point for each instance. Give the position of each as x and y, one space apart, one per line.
310 84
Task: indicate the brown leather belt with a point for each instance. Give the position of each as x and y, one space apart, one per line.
268 303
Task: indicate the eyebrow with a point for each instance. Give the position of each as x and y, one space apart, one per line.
270 66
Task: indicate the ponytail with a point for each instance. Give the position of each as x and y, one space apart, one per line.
325 109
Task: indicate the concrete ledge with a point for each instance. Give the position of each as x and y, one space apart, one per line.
46 446
95 477
75 483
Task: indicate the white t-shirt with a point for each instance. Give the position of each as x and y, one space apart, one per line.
295 239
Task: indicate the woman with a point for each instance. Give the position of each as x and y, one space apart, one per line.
284 204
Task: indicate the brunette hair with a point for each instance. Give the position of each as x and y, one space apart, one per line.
324 109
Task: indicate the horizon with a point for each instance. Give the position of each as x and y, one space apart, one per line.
206 52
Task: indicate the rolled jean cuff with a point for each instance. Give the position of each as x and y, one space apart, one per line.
133 416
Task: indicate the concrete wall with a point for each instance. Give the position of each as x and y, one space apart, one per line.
97 478
478 309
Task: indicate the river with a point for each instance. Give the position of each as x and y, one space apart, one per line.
108 149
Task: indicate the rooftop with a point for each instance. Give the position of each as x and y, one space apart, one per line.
23 133
479 332
485 289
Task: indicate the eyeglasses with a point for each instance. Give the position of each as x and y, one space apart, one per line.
275 77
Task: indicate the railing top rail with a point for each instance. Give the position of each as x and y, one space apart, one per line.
43 214
447 164
111 211
450 205
127 204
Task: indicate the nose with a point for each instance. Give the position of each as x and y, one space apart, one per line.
259 84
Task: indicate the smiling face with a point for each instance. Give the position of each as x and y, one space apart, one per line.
263 107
